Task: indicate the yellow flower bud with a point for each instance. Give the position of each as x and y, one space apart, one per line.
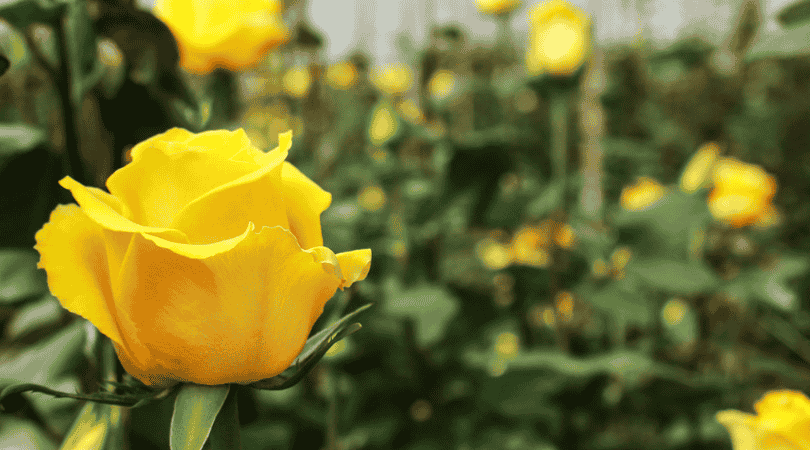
699 168
642 195
494 7
384 124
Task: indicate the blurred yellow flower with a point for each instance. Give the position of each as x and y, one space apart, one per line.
384 124
411 111
393 79
297 81
642 195
232 34
674 311
564 236
559 38
565 305
372 198
770 217
108 53
620 257
742 192
699 168
782 423
441 85
496 6
528 246
506 344
493 254
341 75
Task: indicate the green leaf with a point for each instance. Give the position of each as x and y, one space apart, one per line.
19 277
22 434
790 42
431 307
18 138
22 13
550 199
4 65
314 349
621 301
795 14
195 409
97 427
675 277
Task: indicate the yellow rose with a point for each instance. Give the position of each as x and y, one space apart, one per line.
496 6
782 422
742 192
559 38
232 34
205 262
642 195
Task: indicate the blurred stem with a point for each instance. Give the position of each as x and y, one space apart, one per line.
71 106
592 127
225 433
331 417
559 139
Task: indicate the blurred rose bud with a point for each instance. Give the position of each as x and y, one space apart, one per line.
559 38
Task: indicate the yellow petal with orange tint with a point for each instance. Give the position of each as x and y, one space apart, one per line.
305 201
235 317
72 252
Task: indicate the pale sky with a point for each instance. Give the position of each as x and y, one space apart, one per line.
344 22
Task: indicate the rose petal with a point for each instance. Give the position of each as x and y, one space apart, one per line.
101 208
159 184
305 201
222 213
72 253
164 141
237 316
354 266
741 427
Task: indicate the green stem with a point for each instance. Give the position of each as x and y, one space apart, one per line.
70 106
225 433
559 139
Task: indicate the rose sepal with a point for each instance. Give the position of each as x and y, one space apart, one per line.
132 396
314 349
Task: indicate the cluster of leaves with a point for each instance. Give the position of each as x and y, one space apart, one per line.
630 333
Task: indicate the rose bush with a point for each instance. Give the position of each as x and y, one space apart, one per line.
205 263
782 422
233 34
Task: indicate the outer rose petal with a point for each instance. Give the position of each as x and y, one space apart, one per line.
71 249
235 317
741 427
785 414
354 266
255 197
305 202
158 185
